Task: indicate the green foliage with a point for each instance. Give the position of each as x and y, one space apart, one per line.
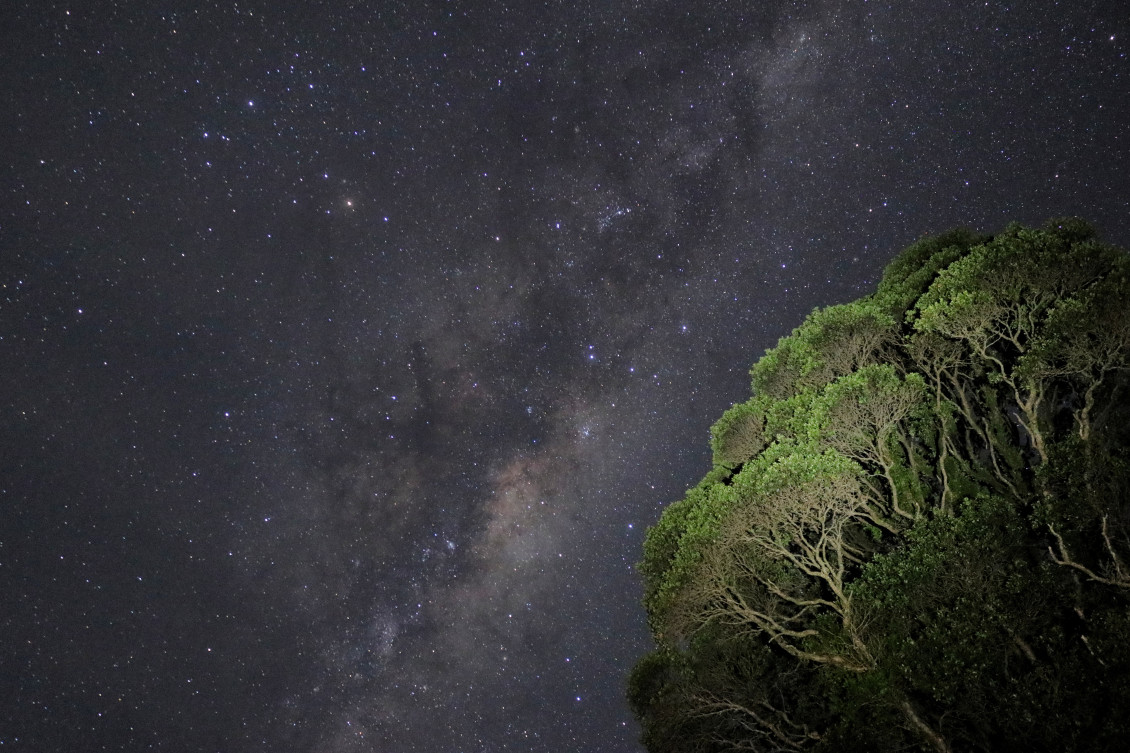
916 534
946 598
739 434
675 545
831 342
911 273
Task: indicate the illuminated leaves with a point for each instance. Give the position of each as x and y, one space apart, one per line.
910 500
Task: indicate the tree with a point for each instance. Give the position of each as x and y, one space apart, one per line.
781 555
861 416
831 342
739 434
996 299
1085 342
916 533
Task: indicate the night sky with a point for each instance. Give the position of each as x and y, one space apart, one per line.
348 349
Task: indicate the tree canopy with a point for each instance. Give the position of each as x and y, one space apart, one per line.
916 531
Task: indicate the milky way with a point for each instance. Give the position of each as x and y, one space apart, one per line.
348 350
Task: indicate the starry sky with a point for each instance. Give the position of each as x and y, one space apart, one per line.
348 349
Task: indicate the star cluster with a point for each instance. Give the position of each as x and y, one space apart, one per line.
349 349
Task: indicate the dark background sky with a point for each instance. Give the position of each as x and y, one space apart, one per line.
348 349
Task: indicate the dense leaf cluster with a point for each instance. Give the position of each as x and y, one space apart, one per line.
916 533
